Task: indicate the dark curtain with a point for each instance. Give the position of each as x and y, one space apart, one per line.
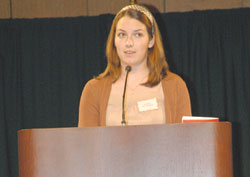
44 64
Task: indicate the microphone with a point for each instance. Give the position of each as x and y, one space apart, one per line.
128 69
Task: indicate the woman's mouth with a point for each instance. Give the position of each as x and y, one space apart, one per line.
129 52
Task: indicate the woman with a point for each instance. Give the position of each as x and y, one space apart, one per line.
154 94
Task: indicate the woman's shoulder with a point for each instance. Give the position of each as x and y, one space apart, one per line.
174 83
172 77
98 83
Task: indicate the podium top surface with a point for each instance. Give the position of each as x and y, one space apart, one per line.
205 124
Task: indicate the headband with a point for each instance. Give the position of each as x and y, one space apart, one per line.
141 9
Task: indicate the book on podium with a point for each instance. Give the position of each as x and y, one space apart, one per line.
193 119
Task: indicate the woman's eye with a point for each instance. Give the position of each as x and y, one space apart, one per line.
121 35
138 34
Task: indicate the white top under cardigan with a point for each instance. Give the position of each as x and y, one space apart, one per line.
143 105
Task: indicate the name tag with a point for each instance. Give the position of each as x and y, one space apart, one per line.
147 105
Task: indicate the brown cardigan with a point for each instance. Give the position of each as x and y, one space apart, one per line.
95 95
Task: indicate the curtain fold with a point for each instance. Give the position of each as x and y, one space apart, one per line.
10 89
44 64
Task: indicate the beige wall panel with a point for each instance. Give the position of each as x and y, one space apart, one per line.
48 8
4 8
187 5
156 5
246 3
96 7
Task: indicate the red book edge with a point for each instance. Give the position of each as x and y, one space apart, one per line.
200 120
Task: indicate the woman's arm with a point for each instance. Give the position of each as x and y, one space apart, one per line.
183 101
89 113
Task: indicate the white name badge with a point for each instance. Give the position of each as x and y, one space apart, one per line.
147 105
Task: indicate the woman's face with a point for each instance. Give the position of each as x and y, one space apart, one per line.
132 42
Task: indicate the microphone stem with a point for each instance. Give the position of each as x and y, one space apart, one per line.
123 100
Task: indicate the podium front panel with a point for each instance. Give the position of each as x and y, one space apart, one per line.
173 150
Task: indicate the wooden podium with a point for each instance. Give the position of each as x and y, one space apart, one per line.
173 150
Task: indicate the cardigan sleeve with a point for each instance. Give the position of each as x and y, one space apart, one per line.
89 106
183 105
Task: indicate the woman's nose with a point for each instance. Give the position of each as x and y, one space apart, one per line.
129 42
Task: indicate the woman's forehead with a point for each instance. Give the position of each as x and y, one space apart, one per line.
127 22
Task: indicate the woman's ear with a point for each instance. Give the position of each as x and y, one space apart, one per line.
151 42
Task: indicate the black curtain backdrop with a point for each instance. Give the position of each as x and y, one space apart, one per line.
44 64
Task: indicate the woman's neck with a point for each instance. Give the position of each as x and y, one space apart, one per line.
137 75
